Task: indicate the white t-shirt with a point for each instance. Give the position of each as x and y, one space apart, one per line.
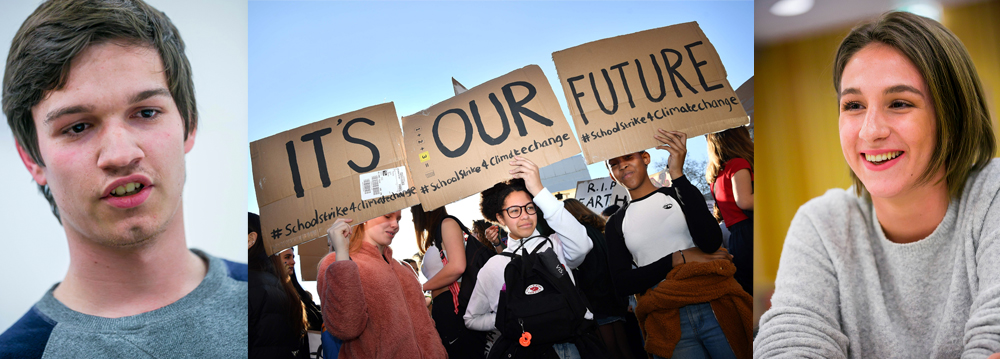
663 229
432 263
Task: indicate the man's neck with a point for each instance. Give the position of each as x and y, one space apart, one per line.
118 282
643 190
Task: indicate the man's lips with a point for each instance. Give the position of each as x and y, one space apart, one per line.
135 178
129 201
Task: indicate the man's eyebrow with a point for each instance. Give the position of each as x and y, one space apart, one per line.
903 88
54 114
139 97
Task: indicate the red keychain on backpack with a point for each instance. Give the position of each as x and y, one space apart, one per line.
525 339
525 336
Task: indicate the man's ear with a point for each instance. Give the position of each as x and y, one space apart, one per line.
33 168
645 158
189 142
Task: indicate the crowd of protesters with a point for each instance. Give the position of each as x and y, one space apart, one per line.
536 277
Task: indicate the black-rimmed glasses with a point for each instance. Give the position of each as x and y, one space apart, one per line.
515 211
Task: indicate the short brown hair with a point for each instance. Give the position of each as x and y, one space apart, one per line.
45 45
965 141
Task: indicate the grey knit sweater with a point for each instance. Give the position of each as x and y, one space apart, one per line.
844 290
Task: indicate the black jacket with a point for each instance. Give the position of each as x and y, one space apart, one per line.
270 331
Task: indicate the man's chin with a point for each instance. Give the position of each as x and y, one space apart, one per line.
131 236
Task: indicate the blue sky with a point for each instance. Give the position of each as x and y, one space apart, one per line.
313 60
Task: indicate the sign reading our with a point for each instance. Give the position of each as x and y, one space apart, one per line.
349 166
464 145
620 90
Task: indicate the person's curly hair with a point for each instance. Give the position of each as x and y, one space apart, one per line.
491 203
491 200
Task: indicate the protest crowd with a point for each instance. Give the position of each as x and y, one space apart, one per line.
535 277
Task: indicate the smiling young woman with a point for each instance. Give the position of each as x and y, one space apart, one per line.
908 265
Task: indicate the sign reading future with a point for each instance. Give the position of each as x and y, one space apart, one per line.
620 90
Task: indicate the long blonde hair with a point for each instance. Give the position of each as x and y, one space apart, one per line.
724 146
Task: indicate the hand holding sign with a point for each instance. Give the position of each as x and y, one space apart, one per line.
526 170
675 143
338 238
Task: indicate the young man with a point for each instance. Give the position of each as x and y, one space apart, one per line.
100 99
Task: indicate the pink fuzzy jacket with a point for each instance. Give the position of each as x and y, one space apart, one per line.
376 307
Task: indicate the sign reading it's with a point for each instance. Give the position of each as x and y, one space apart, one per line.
464 145
349 166
620 90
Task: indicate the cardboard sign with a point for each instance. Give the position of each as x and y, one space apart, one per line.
464 145
601 193
310 253
349 166
620 90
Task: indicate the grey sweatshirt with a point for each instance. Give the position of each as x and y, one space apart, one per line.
209 322
844 290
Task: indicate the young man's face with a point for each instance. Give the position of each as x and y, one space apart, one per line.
629 170
113 127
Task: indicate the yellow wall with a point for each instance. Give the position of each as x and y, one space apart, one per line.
798 153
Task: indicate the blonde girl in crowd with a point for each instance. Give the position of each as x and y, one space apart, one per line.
371 301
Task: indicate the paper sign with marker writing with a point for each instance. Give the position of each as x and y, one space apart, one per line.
620 90
601 193
463 145
349 166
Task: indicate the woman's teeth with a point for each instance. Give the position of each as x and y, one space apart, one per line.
877 159
127 190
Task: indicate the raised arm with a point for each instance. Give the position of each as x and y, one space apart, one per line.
573 235
804 319
575 242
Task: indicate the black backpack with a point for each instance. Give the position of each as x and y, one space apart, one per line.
539 298
476 255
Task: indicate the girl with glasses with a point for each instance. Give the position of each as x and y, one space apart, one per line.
521 205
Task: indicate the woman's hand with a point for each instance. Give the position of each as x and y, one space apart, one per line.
694 254
337 238
528 171
675 143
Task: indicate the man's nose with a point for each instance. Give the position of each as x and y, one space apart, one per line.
119 147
